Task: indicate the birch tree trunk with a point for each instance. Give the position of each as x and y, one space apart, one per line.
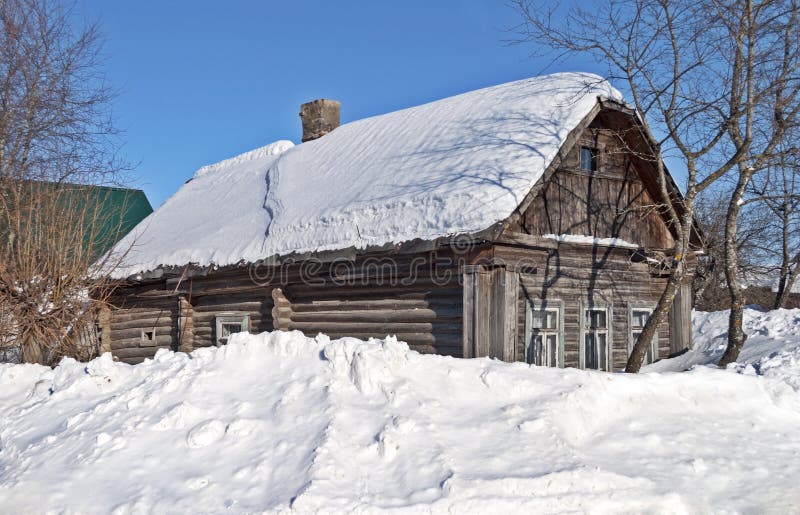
736 334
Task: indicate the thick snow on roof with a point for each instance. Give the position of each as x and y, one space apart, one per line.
457 165
216 217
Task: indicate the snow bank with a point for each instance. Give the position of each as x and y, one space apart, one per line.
769 333
457 165
278 421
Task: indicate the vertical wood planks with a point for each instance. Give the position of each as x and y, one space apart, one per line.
468 319
185 325
490 312
680 320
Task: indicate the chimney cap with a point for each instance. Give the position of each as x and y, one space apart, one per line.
320 101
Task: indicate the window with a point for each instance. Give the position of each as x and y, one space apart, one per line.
589 159
148 336
637 319
228 324
543 336
595 330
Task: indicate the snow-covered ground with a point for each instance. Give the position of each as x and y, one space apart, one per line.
279 421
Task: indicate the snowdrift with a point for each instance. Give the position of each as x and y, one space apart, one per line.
279 421
772 348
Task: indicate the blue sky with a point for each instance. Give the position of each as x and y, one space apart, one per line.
205 80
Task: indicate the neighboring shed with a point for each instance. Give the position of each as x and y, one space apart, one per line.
106 213
119 210
518 221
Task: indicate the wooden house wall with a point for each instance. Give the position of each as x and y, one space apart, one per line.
568 274
610 203
415 297
131 316
256 305
615 201
418 298
226 292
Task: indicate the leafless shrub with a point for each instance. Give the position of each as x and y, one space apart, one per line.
57 142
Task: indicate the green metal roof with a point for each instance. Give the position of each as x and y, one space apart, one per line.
122 209
104 214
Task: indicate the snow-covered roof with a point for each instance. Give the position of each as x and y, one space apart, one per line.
457 165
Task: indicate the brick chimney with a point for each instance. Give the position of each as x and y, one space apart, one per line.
319 118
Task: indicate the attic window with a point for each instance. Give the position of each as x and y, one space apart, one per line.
228 324
589 159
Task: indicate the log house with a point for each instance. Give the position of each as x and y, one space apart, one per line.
566 279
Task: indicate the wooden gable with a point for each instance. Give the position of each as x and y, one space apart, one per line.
616 200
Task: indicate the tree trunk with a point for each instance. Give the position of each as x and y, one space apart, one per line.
661 310
736 334
659 314
782 293
786 282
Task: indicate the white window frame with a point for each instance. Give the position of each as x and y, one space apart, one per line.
632 340
556 306
596 306
229 318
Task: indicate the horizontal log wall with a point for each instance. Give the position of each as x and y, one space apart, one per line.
257 305
131 317
406 297
417 298
422 305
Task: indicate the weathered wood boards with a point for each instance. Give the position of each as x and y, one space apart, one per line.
681 320
416 297
490 323
139 327
573 277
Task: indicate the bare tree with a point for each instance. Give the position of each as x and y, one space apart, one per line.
57 141
757 241
787 212
764 53
776 191
708 284
691 71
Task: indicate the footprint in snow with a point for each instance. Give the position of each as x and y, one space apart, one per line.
196 483
205 434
